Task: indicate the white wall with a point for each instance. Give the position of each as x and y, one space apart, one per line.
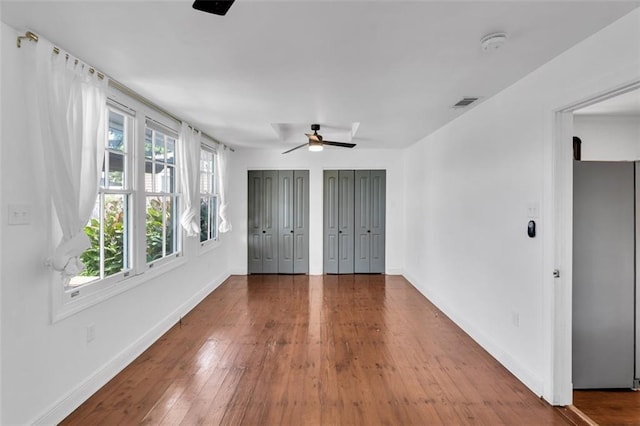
471 184
2 218
316 162
608 138
48 369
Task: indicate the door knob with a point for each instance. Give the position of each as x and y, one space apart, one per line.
291 231
264 232
368 230
339 232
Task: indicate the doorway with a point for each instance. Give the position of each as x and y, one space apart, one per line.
354 221
614 103
278 222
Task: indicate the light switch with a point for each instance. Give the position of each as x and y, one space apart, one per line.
19 214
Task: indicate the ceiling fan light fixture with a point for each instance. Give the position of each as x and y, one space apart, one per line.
315 146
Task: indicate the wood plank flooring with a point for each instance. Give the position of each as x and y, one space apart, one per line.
315 350
609 407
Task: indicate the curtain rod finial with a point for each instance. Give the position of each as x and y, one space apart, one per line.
27 36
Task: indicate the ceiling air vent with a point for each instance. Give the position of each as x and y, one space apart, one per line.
465 102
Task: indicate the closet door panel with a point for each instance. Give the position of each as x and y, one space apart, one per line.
255 223
346 226
362 220
300 216
330 219
270 222
285 222
377 224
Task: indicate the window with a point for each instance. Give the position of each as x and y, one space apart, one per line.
134 229
208 197
160 193
134 223
109 227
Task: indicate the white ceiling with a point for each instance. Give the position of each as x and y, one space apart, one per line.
625 104
394 67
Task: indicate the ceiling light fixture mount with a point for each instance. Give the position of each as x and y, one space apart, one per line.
493 41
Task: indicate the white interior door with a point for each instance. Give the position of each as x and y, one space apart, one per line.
603 275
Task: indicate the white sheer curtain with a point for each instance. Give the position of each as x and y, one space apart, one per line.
71 115
223 188
189 152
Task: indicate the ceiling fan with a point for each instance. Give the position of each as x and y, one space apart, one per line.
215 7
316 142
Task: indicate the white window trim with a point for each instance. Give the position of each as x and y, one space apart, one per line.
66 302
167 131
208 245
101 290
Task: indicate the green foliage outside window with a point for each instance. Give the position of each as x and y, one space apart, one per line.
115 237
154 229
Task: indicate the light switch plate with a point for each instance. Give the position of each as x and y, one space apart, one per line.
19 214
533 210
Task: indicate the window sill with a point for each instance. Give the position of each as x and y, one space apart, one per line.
207 246
64 306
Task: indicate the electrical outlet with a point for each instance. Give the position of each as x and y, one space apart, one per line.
91 333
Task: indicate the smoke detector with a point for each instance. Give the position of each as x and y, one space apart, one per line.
493 41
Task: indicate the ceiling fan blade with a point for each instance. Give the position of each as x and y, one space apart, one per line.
216 7
314 137
297 147
340 144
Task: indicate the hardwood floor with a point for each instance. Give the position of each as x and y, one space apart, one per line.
609 407
363 349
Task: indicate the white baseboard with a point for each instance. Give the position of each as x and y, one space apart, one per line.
526 376
65 405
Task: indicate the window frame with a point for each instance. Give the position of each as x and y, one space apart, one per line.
214 194
67 300
155 126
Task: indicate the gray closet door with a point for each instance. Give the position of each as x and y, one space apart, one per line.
363 221
370 189
377 221
300 222
338 221
293 218
285 222
603 275
263 225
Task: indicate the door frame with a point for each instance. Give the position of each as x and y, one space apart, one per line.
559 245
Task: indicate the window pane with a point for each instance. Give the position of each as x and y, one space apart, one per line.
204 183
171 150
148 145
116 170
148 176
103 175
213 217
204 219
91 256
154 227
158 146
171 179
116 138
114 234
171 218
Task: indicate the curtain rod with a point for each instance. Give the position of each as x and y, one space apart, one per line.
30 36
